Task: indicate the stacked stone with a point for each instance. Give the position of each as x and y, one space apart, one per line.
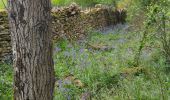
99 18
5 39
72 22
68 22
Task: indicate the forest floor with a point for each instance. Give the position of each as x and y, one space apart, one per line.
101 67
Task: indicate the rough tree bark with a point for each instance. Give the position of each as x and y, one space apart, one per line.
30 23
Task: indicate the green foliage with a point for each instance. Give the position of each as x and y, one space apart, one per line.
104 74
94 2
61 2
156 24
2 3
135 12
145 3
5 81
161 21
84 3
107 74
101 71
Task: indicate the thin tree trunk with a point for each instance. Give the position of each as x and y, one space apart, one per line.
30 22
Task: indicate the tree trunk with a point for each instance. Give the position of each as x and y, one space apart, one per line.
30 23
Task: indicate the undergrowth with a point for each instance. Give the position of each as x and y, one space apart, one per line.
109 74
100 67
82 71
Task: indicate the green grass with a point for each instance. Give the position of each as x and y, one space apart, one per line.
5 81
100 70
106 75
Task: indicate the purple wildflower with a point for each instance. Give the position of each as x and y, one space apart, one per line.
73 54
67 82
66 53
69 46
57 49
81 50
121 40
60 83
68 97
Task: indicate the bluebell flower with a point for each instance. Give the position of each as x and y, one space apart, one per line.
121 40
68 97
57 49
69 46
67 82
81 50
66 54
60 83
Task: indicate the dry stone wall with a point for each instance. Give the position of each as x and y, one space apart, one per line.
68 22
5 39
73 22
